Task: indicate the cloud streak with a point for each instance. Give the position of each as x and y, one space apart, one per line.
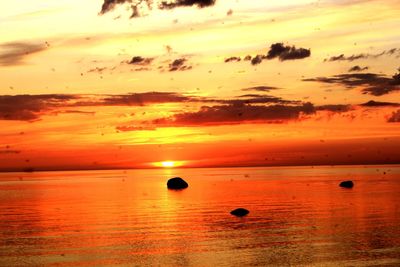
373 103
248 108
32 107
14 53
357 69
139 7
237 113
261 88
354 57
371 83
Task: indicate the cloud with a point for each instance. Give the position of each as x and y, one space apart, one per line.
247 58
138 7
373 103
232 59
186 3
342 57
13 54
334 108
237 113
395 117
109 5
372 83
277 50
142 61
141 99
261 88
253 107
357 69
97 70
179 65
30 107
256 60
257 99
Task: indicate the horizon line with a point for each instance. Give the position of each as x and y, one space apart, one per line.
33 170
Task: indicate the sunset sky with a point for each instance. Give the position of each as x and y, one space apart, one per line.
112 84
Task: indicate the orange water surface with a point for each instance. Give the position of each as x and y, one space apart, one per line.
299 216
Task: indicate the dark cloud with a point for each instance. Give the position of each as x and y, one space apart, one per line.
179 65
395 117
237 113
142 61
253 107
261 88
279 50
342 57
257 99
276 50
334 108
12 54
30 107
247 58
373 103
257 60
136 5
142 99
109 5
372 83
186 3
230 59
140 6
357 69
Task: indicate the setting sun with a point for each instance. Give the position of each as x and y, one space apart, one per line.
168 164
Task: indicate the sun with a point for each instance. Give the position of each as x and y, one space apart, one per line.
168 164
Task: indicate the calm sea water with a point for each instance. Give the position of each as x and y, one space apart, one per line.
298 217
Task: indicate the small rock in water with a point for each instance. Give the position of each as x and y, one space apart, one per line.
240 212
177 183
347 184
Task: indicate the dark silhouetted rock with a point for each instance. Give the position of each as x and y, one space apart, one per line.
347 184
240 212
177 183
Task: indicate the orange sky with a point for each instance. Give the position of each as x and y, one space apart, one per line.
230 83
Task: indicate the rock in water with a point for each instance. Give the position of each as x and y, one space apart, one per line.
347 184
240 212
177 183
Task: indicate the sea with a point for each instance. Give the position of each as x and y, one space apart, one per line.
299 216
